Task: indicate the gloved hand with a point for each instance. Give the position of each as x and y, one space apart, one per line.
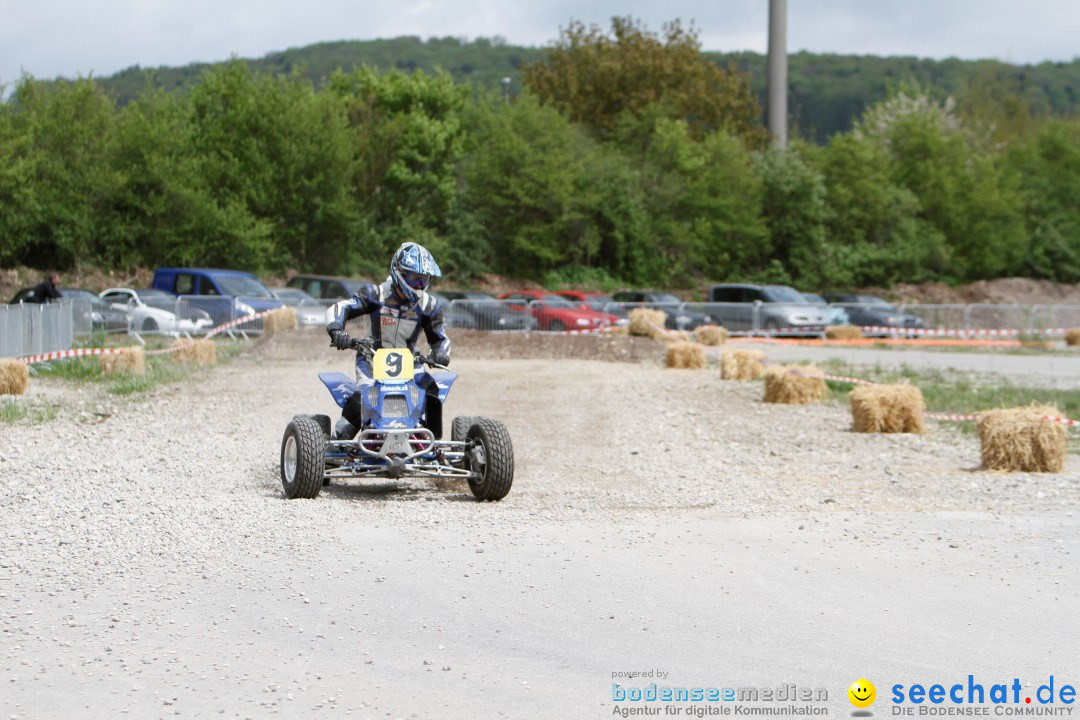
441 357
339 339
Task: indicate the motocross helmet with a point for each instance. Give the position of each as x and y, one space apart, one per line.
411 270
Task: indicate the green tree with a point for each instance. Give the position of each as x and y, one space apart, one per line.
278 158
408 137
595 77
529 185
1049 167
702 198
56 179
875 233
964 189
795 211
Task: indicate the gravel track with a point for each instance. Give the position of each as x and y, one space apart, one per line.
151 565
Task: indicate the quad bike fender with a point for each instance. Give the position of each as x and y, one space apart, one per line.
439 380
341 386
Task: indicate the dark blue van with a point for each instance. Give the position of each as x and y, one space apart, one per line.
248 292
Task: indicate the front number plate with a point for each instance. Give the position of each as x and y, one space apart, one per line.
393 365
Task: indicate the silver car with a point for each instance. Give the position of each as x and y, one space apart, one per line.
837 315
773 308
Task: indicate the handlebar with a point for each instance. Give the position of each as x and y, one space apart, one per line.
367 347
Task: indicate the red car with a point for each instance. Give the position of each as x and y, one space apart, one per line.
557 313
598 302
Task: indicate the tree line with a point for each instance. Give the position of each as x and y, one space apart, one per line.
626 156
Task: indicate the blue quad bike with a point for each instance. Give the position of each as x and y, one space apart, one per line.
394 440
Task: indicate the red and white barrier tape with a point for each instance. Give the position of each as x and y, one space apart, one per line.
837 378
85 352
927 332
238 321
75 352
951 417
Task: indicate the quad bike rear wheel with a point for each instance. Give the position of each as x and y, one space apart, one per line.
303 457
491 456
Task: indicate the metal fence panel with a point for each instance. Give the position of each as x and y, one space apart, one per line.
309 311
34 328
735 317
1064 316
943 316
986 316
199 314
490 315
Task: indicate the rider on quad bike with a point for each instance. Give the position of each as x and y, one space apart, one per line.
398 309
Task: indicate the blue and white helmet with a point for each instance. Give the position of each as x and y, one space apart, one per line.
411 270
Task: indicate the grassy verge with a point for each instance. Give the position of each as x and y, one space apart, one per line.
23 411
160 369
950 392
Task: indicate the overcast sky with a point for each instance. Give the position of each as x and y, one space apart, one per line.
47 38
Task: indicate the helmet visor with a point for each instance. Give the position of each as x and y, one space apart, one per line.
417 281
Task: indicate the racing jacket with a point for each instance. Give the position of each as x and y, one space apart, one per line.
394 323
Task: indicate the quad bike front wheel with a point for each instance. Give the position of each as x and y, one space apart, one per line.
491 457
303 457
459 429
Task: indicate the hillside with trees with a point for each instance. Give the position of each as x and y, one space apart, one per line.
828 92
642 179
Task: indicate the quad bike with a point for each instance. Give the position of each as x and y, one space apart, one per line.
394 440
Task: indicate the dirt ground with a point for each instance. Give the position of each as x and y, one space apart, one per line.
659 519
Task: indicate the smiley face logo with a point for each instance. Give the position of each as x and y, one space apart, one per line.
862 693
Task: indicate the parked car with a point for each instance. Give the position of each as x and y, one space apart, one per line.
778 307
837 315
600 303
556 313
678 316
309 311
102 316
871 311
249 295
97 314
476 310
154 311
327 287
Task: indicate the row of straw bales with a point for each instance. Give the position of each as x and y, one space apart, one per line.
1013 439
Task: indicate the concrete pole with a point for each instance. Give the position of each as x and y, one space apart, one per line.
777 87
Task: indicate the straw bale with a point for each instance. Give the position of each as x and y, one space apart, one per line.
791 385
14 377
711 335
843 332
887 409
279 320
1072 336
676 336
686 355
131 360
647 322
199 352
1020 439
742 364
